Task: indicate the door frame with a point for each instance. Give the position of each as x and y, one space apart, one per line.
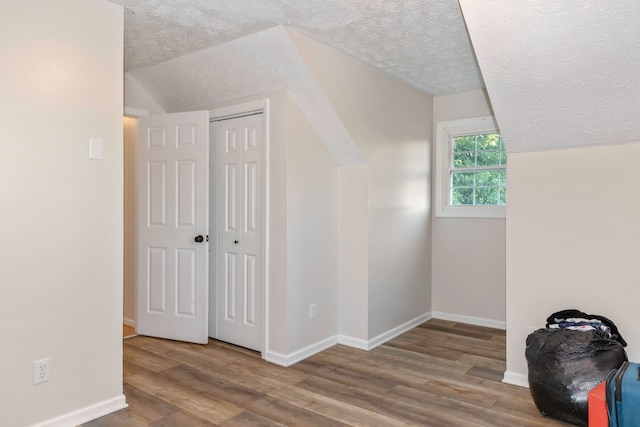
238 110
134 113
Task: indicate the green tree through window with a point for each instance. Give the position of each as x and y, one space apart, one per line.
478 170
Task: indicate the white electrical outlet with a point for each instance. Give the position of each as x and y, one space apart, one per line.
313 311
40 371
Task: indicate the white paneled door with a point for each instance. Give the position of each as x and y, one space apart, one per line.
173 190
240 200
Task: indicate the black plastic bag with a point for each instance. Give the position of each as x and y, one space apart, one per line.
572 312
564 366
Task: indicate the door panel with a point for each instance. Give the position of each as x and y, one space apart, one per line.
186 183
186 283
250 205
156 283
230 198
157 194
240 236
230 288
250 263
173 189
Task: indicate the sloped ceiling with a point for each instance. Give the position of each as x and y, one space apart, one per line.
258 63
193 53
421 42
560 74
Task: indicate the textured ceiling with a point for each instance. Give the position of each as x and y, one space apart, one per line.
421 42
560 74
254 64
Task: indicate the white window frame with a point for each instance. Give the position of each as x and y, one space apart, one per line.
445 132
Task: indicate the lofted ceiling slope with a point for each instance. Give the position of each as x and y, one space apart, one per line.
189 54
257 63
560 74
424 43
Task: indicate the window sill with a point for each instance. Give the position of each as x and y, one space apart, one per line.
471 212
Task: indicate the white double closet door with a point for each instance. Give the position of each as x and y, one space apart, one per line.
178 265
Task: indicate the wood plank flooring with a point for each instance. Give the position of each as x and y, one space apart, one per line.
438 374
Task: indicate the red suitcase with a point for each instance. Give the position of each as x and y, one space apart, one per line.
597 402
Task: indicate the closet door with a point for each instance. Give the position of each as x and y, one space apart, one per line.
240 192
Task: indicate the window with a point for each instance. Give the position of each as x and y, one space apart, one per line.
471 169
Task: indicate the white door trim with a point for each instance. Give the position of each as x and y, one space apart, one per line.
135 112
261 105
239 109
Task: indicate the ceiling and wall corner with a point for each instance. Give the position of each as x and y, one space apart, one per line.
569 67
423 43
257 63
191 53
559 74
135 97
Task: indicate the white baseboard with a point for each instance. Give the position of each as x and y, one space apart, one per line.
303 353
478 321
310 350
86 414
358 343
385 336
129 322
398 330
516 378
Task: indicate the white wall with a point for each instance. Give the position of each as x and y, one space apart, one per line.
353 254
391 124
476 292
136 97
573 241
61 228
312 231
399 209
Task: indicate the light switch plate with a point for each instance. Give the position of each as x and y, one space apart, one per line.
95 149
